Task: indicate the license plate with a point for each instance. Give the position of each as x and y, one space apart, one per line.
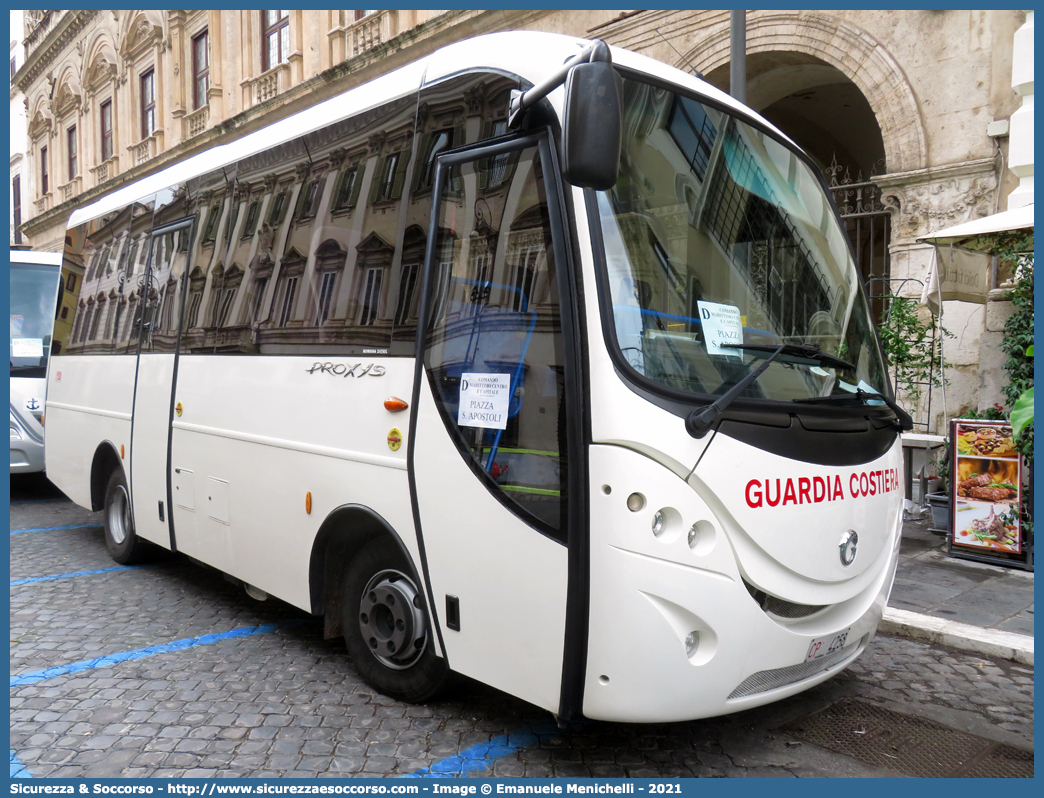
822 646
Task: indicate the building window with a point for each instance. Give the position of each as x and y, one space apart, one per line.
275 215
70 282
251 221
308 201
106 130
70 138
213 217
259 297
371 296
347 192
287 305
407 307
276 38
195 301
148 104
45 174
326 292
16 207
201 69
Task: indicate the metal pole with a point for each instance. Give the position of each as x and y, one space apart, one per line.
738 61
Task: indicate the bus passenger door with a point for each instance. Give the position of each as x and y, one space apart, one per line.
157 296
488 453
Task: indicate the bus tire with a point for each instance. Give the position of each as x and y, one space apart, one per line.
124 545
385 625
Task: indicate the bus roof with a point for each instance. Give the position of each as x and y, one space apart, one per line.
533 55
40 258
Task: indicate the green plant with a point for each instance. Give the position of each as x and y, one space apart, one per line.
1017 344
912 341
1022 410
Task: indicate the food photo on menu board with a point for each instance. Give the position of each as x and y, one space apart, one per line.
987 479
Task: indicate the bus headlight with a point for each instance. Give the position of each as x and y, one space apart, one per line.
657 523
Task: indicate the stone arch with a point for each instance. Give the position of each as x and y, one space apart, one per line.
102 61
139 29
41 118
69 92
853 51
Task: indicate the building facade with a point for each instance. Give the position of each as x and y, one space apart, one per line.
18 192
906 113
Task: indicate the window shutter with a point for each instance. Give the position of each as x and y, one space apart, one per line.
357 179
400 174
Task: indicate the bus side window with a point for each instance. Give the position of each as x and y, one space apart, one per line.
108 254
495 355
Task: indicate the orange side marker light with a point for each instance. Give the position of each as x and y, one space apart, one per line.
308 502
394 404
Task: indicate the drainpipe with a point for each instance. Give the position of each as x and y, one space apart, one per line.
738 60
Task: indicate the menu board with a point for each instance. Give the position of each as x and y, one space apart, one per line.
987 487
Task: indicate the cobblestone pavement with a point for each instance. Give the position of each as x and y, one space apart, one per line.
283 702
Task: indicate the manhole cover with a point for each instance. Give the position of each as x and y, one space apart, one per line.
909 745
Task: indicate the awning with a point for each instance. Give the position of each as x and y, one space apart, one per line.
961 267
964 235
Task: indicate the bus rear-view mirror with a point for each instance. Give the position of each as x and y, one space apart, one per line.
592 126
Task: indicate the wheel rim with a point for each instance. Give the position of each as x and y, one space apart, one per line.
391 621
118 516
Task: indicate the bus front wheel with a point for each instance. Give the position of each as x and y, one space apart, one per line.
123 543
385 626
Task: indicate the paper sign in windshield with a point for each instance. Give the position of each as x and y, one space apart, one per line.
27 347
721 325
484 400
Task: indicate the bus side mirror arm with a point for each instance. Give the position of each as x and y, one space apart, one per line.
522 101
592 126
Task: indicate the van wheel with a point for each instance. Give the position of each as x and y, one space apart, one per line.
385 626
120 539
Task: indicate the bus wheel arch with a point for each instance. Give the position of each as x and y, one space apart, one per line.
344 532
353 541
106 461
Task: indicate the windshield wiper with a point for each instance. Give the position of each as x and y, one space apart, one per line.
700 421
809 351
904 418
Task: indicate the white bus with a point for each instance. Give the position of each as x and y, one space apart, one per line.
34 292
544 368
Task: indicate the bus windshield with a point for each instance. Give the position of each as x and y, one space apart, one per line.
33 296
721 246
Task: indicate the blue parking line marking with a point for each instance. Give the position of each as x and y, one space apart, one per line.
53 528
114 659
483 755
18 770
74 573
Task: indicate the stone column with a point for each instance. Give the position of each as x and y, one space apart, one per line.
1020 144
216 95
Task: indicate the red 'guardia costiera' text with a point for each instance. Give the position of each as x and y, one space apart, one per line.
813 490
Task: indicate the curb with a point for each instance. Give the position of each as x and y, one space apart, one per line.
990 642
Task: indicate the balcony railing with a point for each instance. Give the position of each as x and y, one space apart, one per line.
105 170
43 204
196 122
369 32
268 84
143 150
72 188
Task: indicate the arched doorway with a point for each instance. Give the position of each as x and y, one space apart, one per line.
827 115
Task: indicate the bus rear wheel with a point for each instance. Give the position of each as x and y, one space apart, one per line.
124 545
386 627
